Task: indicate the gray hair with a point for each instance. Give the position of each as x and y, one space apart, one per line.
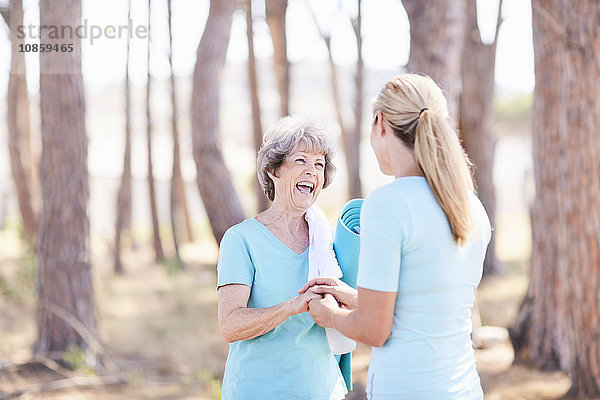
284 138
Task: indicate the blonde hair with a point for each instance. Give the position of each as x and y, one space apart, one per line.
416 109
283 139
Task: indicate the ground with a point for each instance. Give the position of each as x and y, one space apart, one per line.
159 326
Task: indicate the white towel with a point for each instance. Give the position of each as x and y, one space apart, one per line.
322 262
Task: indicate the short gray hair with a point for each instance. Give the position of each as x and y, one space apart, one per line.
284 138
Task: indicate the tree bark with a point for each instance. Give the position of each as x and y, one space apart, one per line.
275 15
124 195
537 335
350 135
19 131
354 183
180 216
436 42
158 249
214 181
476 112
262 202
64 268
557 326
5 12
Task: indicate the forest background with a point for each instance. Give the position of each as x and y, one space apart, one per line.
152 253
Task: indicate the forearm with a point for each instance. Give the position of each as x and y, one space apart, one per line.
247 323
372 321
348 323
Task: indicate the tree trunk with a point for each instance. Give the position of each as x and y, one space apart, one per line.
354 184
476 111
180 215
124 196
214 181
19 130
537 335
350 136
436 42
275 15
262 202
158 249
350 149
65 276
557 326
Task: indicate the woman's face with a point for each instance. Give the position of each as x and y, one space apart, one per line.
300 179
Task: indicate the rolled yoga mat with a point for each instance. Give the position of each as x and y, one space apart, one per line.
346 244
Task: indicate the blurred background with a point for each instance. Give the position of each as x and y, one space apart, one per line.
108 248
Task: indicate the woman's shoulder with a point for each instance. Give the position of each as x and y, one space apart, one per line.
477 207
391 202
243 230
480 217
399 192
382 197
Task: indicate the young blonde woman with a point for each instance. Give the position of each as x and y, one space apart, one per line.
423 241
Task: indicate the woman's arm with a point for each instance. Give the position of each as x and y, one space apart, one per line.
371 323
238 322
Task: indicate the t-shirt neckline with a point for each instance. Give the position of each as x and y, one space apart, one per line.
279 242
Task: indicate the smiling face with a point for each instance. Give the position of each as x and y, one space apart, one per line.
299 179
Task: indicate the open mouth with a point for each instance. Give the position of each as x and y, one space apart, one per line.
305 187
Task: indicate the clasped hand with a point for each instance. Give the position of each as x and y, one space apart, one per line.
334 295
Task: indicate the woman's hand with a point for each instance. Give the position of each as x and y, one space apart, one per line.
299 304
238 322
323 309
343 293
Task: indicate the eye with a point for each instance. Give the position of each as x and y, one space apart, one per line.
320 164
301 160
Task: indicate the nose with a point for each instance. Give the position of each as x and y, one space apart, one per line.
310 169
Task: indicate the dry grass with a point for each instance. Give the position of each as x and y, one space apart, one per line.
158 325
498 299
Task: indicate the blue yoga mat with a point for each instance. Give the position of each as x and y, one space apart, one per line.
346 244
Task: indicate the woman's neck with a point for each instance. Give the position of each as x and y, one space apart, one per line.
283 218
407 170
288 226
402 159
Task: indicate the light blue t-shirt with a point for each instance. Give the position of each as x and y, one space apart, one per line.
292 361
407 247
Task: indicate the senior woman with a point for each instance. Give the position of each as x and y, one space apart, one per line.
276 350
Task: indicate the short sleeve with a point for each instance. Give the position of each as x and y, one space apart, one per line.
235 264
382 231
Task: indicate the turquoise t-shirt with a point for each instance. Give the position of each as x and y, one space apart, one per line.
292 361
407 247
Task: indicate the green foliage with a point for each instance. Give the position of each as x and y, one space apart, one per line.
174 265
80 360
204 229
212 382
514 109
6 292
26 275
27 264
20 287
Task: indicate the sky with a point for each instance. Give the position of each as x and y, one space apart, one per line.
386 38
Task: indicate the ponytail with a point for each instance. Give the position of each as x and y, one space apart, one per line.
416 109
446 167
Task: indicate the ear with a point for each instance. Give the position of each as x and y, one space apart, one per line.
379 123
